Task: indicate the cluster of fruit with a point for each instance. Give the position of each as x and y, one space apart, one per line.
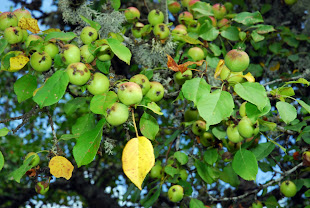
155 18
175 192
130 93
41 187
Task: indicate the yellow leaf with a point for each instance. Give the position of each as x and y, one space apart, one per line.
249 77
30 24
61 167
219 67
18 62
275 67
51 30
138 159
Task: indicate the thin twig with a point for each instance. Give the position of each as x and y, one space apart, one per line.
305 74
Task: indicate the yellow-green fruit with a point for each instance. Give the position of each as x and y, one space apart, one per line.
35 160
288 188
175 193
242 109
237 60
156 171
42 187
99 84
233 134
117 114
191 114
180 78
206 139
231 77
142 81
199 127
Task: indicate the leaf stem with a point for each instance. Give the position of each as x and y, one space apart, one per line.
134 122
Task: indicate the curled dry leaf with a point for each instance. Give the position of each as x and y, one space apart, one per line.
182 67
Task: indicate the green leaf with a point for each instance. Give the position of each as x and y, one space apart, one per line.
195 88
219 133
257 37
216 106
83 124
304 105
4 131
181 157
228 175
253 92
20 172
53 90
151 197
72 105
202 170
121 51
287 112
266 125
245 164
210 156
64 36
253 113
196 203
215 49
3 44
212 61
263 29
255 69
100 103
153 107
1 161
93 24
171 170
208 32
103 66
68 137
148 126
24 87
300 81
231 33
172 137
262 150
87 145
248 18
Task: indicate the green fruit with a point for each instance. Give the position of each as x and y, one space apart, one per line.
40 61
78 73
180 78
242 109
142 81
156 171
257 204
185 3
71 54
199 127
174 7
98 84
129 93
117 114
223 24
156 92
22 12
32 38
233 134
183 174
35 160
219 11
105 53
88 35
155 17
175 193
42 187
193 27
213 21
25 35
288 188
191 114
161 31
137 31
51 49
245 127
290 2
196 53
8 19
132 14
86 55
13 35
237 60
231 77
206 139
185 18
